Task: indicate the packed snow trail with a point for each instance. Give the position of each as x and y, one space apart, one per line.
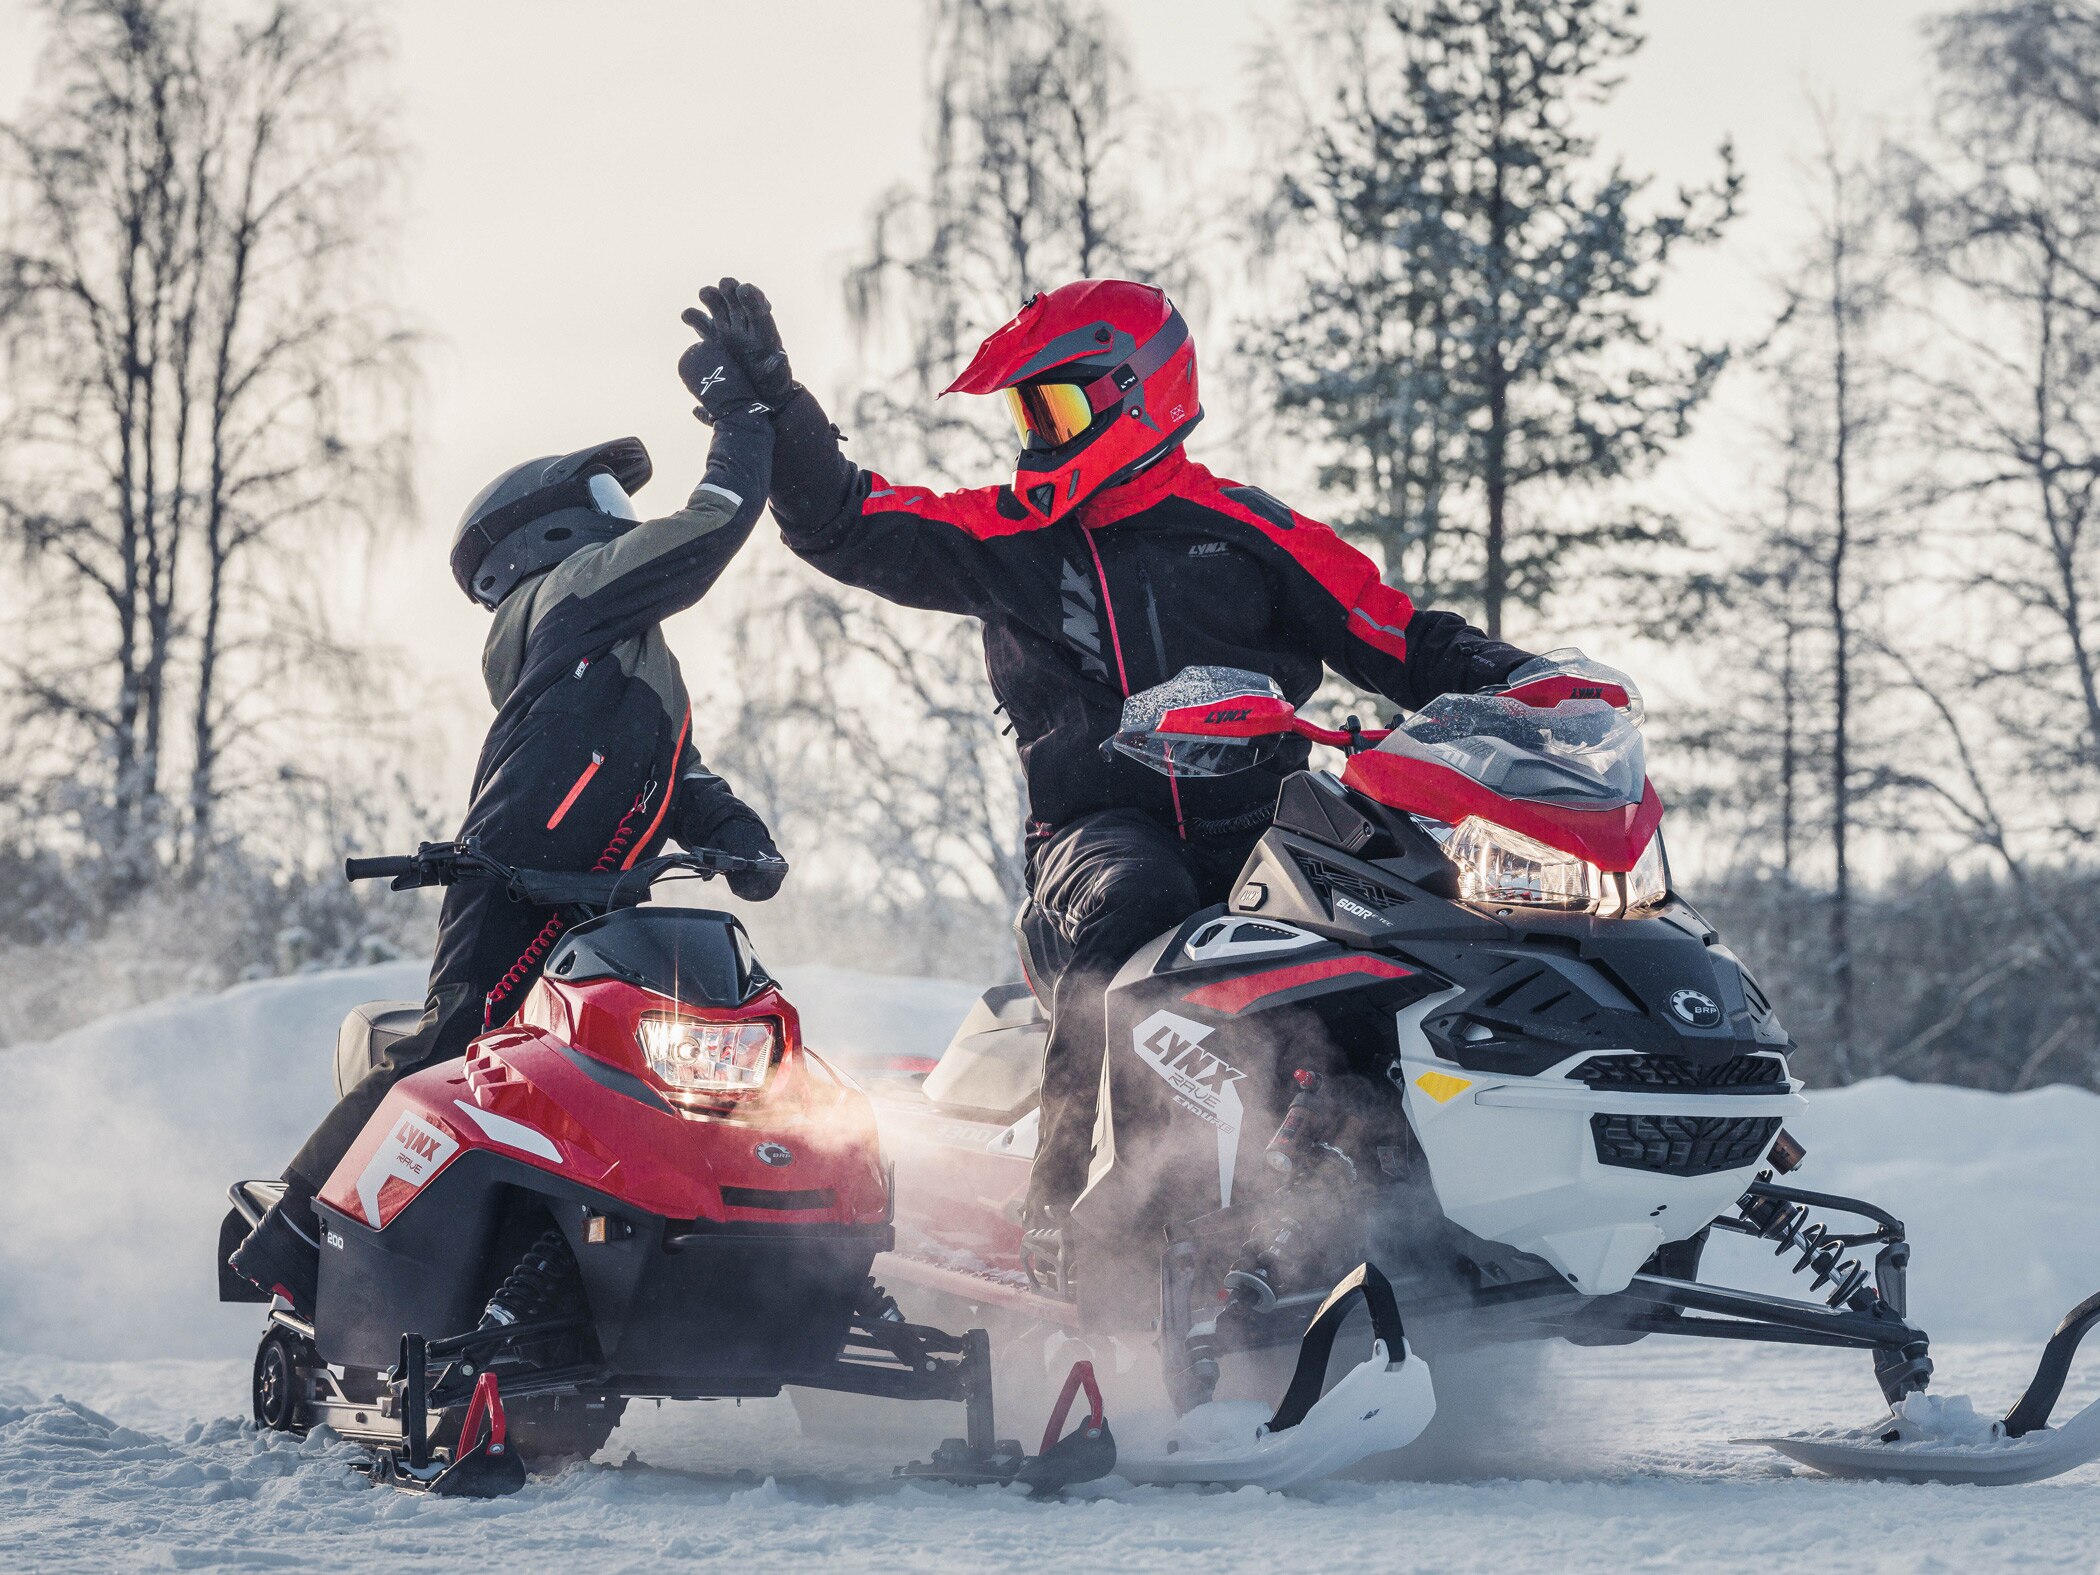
122 1135
1624 1457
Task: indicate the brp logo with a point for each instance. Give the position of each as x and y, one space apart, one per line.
1696 1008
775 1154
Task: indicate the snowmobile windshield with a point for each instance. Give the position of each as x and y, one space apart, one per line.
1155 722
1581 752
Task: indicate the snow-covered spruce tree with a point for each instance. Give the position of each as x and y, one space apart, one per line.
1466 340
867 728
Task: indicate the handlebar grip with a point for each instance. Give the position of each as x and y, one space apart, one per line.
392 867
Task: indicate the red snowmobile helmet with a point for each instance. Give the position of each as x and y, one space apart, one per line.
1100 377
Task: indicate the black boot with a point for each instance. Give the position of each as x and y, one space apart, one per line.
283 1253
1046 1250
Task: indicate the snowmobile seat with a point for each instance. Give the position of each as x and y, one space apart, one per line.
993 1067
367 1034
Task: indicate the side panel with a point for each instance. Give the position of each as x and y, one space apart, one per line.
1205 1029
727 1309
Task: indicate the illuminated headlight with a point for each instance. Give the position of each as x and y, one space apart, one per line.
1500 867
692 1056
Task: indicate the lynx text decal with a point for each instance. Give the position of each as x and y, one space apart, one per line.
409 1155
1202 1083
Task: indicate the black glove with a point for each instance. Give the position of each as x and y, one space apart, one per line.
740 319
747 837
712 376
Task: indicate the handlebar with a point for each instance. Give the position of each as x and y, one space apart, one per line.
446 863
391 867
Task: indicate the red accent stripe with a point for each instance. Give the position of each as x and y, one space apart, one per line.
663 804
1611 839
1108 611
974 512
1375 612
568 802
1236 995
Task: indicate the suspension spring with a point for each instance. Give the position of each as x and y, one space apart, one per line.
546 1270
1794 1227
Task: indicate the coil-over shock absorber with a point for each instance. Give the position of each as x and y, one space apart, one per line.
545 1272
1794 1225
1785 1216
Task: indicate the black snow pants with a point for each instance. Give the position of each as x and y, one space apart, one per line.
1108 883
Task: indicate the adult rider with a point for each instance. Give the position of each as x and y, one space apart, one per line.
1109 563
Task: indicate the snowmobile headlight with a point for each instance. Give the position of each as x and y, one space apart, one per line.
1649 881
1497 865
693 1055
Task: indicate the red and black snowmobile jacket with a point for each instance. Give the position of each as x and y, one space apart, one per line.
1173 568
591 758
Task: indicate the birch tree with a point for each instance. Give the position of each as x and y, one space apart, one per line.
205 399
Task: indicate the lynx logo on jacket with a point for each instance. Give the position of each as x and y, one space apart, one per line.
409 1155
1202 1083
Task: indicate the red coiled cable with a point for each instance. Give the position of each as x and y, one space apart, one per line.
535 953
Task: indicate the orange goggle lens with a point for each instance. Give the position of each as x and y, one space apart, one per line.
1047 415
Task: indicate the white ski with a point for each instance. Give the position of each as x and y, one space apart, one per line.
1929 1438
1380 1404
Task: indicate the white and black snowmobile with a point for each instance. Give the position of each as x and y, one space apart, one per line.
1453 1049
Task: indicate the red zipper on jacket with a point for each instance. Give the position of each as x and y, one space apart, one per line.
1108 610
575 792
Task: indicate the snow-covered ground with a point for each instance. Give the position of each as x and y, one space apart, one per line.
117 1140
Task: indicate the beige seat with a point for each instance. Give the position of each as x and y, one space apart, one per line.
367 1034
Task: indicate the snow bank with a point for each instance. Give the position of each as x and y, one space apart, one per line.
121 1137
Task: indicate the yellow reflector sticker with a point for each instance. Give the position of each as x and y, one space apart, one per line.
1441 1087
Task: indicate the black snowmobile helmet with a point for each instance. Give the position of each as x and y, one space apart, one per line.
535 514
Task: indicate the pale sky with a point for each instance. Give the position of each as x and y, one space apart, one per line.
580 168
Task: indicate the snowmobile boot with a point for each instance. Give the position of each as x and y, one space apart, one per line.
281 1255
1046 1251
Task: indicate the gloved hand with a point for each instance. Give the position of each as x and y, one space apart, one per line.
740 319
711 375
747 838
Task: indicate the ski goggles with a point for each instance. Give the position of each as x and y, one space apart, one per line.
1048 415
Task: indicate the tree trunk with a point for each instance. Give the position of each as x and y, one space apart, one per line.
1841 981
1495 469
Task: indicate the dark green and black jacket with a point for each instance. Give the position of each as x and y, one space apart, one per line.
592 737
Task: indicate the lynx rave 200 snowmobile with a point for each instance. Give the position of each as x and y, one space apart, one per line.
1454 1037
644 1185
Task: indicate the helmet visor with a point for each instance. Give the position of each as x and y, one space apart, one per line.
1048 415
609 497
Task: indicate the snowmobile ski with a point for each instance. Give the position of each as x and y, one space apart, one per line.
1084 1454
1928 1438
1381 1404
483 1465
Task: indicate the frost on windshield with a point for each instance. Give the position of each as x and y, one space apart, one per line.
1577 750
1192 686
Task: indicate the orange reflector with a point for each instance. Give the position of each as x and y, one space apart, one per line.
1441 1087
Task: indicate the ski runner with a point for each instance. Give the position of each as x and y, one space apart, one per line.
590 762
1108 564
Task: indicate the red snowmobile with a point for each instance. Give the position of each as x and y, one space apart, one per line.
646 1184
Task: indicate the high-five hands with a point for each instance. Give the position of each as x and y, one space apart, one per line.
739 319
713 377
